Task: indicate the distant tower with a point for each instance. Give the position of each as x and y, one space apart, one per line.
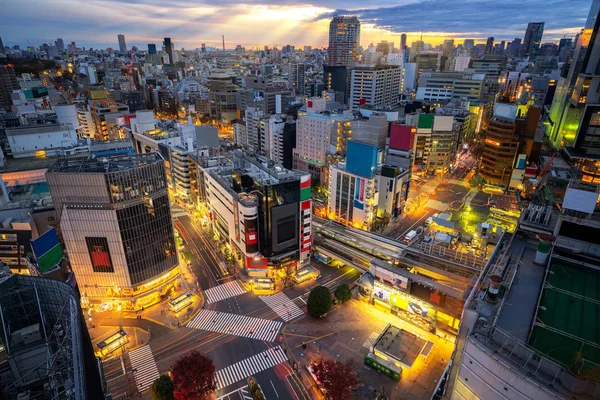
168 48
122 45
533 38
403 41
223 36
203 48
489 45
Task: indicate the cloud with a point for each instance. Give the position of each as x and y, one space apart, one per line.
504 19
268 22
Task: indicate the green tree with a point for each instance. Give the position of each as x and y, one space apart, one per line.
343 293
162 388
319 301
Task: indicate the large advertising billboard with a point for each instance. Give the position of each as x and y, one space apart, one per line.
47 250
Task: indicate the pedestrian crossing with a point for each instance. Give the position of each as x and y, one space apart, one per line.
239 394
224 291
283 306
250 366
144 367
237 325
436 205
179 213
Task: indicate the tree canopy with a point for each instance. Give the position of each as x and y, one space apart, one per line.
193 376
162 388
335 377
343 293
319 301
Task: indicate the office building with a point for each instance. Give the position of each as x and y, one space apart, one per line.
532 39
224 99
459 63
122 45
296 77
60 44
8 83
489 45
344 40
151 48
45 347
514 49
353 196
430 61
115 219
508 134
262 211
573 118
168 50
105 114
336 80
403 41
469 44
434 143
1 46
448 86
375 86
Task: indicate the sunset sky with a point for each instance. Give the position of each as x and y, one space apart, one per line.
189 23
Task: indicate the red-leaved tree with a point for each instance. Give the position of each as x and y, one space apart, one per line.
193 376
336 377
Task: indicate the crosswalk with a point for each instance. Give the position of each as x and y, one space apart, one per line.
436 205
238 325
250 366
144 367
179 213
224 291
238 394
283 306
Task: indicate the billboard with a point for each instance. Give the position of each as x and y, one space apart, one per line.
402 137
580 200
361 159
256 262
258 96
47 250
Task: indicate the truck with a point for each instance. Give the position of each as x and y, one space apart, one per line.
410 236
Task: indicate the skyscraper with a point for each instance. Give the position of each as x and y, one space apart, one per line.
122 45
115 218
469 44
376 86
1 46
168 48
403 41
344 39
151 48
296 77
60 44
515 47
533 38
489 45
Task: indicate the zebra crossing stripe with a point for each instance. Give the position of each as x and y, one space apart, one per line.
242 393
144 366
250 366
283 306
224 291
237 325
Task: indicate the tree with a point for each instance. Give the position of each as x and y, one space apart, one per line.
336 377
319 301
343 293
162 388
193 376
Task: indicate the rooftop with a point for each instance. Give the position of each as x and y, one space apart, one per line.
102 165
402 345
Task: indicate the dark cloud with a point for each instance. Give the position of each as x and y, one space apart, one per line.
502 19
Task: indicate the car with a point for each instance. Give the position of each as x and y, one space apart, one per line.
428 222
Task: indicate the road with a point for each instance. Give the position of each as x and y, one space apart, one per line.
227 343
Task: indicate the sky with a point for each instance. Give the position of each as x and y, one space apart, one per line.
256 23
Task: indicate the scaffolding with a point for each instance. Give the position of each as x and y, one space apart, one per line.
41 334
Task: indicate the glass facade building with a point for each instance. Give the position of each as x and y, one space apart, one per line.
115 220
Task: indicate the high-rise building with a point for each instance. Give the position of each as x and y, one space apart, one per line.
376 86
168 49
122 45
344 40
403 41
1 46
515 47
489 45
203 48
8 83
574 117
336 79
468 44
296 77
151 48
60 44
532 39
115 219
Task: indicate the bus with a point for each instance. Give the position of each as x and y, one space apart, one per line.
306 273
180 302
386 367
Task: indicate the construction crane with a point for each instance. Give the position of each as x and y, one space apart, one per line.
547 165
540 178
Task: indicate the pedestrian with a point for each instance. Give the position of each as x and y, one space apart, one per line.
304 345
